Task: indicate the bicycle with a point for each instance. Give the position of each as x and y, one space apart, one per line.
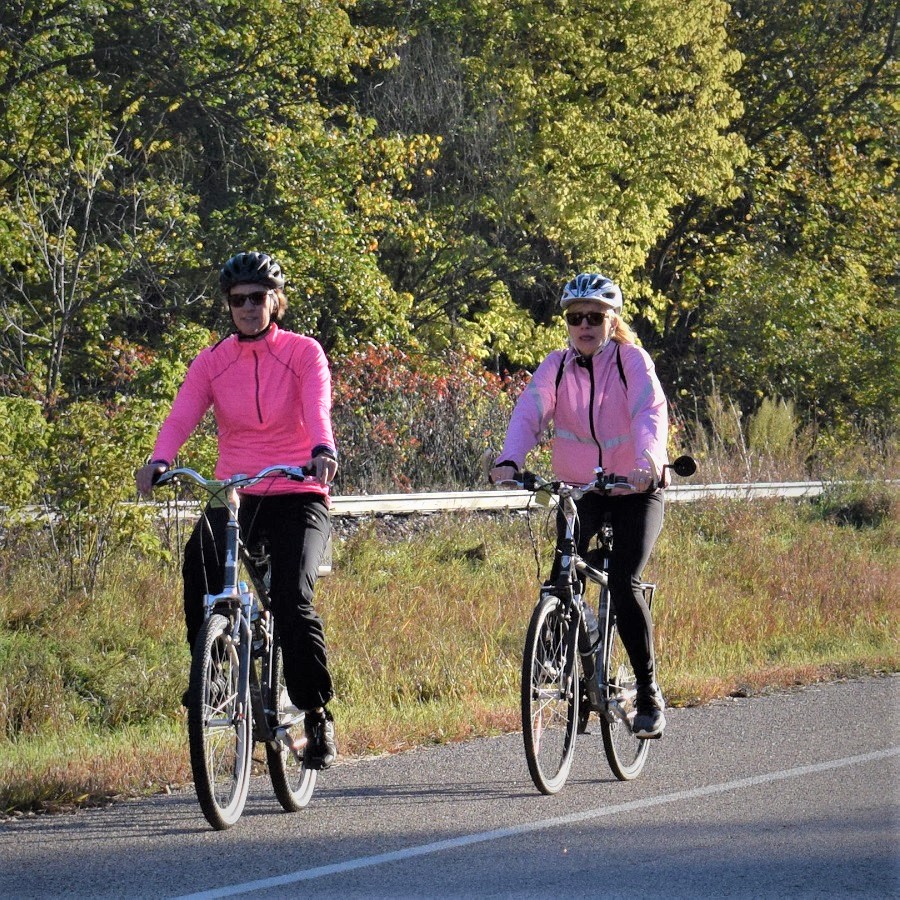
236 692
556 697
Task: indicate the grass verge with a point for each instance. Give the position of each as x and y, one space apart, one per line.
425 619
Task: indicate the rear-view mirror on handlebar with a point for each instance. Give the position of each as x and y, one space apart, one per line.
685 466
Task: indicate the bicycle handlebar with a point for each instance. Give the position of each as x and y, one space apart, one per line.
295 473
530 481
684 466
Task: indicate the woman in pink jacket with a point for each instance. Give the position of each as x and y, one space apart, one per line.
608 409
270 391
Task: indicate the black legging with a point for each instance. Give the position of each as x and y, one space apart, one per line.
637 521
295 528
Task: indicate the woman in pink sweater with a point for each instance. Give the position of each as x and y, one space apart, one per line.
607 408
270 391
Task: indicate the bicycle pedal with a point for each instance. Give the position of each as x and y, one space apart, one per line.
294 744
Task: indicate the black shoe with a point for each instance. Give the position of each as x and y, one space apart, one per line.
649 721
321 749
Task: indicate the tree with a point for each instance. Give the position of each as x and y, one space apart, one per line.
569 133
791 289
123 185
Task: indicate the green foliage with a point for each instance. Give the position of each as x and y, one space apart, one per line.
429 174
126 186
724 419
791 290
107 661
23 442
89 482
158 375
773 427
569 132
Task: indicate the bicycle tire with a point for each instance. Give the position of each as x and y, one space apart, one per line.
219 726
292 782
625 753
550 695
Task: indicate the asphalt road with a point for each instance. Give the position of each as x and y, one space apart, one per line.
789 795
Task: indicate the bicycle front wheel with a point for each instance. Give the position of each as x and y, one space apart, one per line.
219 727
549 695
625 753
292 782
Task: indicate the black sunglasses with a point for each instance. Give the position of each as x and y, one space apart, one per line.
593 318
257 298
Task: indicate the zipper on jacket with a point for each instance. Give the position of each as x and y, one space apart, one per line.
590 368
256 378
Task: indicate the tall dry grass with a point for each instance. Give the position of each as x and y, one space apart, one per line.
426 618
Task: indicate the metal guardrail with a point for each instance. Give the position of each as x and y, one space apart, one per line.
515 500
484 501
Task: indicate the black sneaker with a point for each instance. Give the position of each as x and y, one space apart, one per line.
649 721
321 749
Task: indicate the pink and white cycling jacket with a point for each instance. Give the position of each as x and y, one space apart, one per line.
601 422
272 402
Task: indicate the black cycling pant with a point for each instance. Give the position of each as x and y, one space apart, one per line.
295 528
637 521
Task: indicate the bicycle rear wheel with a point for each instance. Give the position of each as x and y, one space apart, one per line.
219 727
625 753
549 695
292 782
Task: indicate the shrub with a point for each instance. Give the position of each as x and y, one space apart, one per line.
857 505
773 427
407 423
23 443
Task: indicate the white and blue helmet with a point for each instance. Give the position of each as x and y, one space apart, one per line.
591 286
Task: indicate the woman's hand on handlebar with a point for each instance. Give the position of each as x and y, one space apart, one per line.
641 479
145 477
504 474
323 468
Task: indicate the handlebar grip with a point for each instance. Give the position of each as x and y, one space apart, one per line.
157 475
657 475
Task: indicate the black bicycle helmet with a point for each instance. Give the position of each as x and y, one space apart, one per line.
591 286
251 268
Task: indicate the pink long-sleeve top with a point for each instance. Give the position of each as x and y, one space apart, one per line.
605 420
272 401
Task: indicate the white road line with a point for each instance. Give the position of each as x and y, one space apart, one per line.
364 862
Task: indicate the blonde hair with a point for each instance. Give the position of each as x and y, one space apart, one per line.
622 332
